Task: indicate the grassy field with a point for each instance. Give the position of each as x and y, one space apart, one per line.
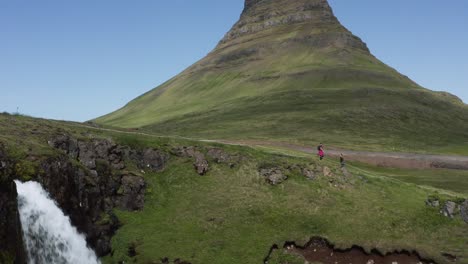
443 179
231 215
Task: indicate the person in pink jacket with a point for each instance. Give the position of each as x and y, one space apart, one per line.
321 153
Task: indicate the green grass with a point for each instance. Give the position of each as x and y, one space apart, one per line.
444 179
234 216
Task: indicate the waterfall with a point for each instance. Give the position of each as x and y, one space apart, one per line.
48 234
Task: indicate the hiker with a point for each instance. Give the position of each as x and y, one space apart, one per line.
321 154
342 161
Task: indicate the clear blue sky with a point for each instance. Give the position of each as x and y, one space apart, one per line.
76 60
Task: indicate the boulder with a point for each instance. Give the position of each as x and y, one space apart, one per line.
327 172
433 202
464 211
219 155
449 209
273 176
309 174
200 163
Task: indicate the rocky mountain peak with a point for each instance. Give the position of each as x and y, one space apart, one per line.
313 20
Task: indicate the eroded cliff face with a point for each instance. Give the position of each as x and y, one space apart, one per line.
90 179
269 30
314 18
87 179
11 245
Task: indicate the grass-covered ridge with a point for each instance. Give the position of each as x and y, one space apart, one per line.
302 82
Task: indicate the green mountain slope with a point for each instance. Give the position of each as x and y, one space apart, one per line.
290 71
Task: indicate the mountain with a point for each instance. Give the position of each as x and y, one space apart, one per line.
289 71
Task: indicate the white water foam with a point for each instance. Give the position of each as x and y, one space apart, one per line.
48 234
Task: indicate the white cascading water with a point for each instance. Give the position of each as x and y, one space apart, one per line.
48 234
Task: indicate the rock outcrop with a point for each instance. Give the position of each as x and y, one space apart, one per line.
88 152
449 209
131 192
273 176
200 163
327 172
87 181
308 173
433 202
260 16
88 193
84 196
152 159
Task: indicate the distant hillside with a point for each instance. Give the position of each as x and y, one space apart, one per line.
289 71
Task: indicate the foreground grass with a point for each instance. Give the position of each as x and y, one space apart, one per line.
444 179
233 216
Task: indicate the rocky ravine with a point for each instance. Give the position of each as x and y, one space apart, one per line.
88 178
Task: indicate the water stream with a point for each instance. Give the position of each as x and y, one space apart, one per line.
48 234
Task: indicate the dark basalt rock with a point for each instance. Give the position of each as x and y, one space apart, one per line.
152 159
87 152
101 149
131 194
65 143
104 150
10 225
87 199
88 193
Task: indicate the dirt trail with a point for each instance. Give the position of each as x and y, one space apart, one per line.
383 159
